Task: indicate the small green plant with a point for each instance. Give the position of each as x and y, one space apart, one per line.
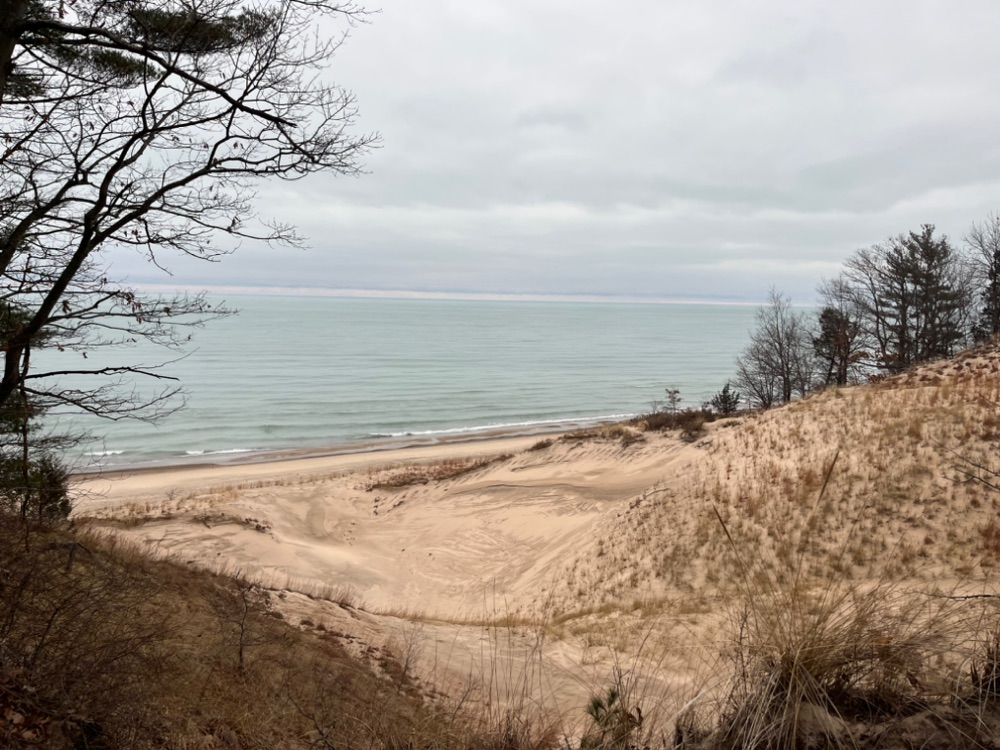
34 482
614 725
727 401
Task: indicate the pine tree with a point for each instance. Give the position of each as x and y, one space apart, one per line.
912 295
834 345
726 401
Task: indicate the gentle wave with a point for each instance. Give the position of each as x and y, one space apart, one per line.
223 451
98 454
503 426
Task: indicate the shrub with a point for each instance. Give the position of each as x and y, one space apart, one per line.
613 723
726 401
692 425
39 491
689 421
621 432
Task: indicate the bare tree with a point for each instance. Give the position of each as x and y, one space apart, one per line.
756 377
146 126
777 364
239 609
983 241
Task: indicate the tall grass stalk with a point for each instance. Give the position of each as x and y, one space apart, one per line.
811 658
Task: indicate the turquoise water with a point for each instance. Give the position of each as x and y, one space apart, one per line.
320 372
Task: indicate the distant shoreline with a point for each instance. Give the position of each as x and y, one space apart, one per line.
398 294
385 445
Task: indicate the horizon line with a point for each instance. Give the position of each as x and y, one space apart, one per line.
300 291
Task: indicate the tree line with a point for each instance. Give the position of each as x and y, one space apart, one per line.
912 298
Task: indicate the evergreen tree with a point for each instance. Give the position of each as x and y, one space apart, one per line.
33 479
834 345
726 401
913 298
938 298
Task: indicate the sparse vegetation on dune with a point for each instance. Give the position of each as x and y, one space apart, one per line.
839 553
819 575
624 434
904 490
687 421
433 471
847 664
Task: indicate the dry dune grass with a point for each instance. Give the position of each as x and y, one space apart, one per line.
847 664
103 647
903 495
433 471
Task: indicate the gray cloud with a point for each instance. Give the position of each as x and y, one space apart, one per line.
686 149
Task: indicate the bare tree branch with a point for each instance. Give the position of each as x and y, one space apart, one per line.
148 126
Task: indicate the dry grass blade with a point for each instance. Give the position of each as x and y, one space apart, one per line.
813 658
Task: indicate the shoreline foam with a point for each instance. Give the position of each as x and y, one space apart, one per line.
240 457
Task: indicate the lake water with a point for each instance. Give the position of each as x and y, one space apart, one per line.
291 373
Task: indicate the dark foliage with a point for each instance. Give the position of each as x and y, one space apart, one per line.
146 127
727 401
984 242
913 294
834 345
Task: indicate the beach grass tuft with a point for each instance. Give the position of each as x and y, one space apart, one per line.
432 471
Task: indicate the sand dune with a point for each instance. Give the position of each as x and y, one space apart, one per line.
430 562
609 549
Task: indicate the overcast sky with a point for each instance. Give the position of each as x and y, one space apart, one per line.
691 149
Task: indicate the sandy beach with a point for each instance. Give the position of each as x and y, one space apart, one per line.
438 549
